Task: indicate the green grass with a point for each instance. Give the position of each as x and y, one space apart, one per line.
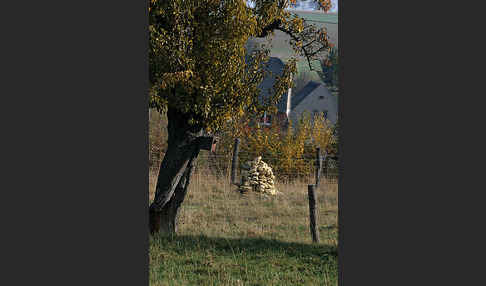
226 238
201 260
318 17
281 48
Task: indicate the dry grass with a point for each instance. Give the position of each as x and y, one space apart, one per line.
214 208
226 238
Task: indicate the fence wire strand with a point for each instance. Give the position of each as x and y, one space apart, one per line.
213 200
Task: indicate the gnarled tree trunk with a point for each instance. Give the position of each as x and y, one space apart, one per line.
174 173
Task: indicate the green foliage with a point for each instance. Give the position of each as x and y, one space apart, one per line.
333 149
330 68
290 151
334 146
198 62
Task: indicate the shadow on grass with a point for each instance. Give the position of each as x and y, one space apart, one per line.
248 246
203 260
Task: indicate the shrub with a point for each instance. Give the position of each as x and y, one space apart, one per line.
330 69
290 151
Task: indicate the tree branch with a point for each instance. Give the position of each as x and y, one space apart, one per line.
305 49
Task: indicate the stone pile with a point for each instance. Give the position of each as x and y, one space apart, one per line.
258 177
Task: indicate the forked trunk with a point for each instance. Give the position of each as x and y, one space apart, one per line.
165 221
174 173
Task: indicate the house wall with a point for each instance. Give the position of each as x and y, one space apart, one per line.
312 102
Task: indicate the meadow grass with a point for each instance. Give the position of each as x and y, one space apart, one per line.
226 238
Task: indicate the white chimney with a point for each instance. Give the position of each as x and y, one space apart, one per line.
289 100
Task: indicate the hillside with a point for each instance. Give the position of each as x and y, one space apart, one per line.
280 46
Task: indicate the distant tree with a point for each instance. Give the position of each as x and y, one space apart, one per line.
202 76
330 68
333 148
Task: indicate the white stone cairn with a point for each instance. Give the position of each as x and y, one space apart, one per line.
258 178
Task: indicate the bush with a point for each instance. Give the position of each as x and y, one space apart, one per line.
330 69
289 151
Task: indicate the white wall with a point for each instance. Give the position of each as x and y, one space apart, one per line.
312 102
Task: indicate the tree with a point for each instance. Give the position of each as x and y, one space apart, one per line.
202 76
330 69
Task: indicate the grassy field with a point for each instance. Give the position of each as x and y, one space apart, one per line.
226 238
280 46
318 17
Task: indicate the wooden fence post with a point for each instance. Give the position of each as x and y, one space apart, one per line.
234 163
324 168
318 166
313 214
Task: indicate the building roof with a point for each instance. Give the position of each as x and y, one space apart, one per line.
275 67
304 92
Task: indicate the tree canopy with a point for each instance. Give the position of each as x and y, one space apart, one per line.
198 64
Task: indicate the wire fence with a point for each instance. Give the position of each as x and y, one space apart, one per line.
214 206
285 169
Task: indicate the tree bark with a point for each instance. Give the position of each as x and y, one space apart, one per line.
165 221
174 173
